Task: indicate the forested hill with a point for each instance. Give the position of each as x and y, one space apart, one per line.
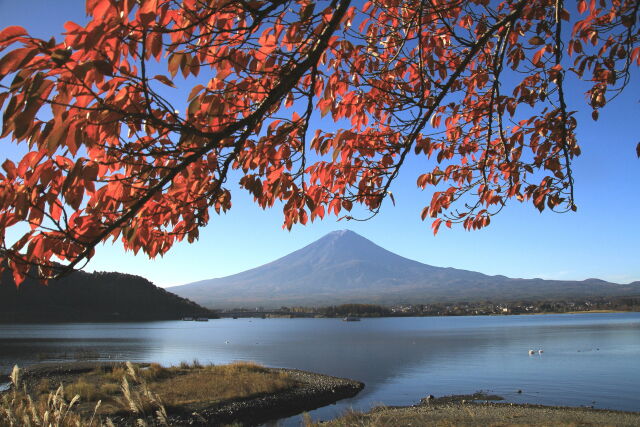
101 296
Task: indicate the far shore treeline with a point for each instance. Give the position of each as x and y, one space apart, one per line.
597 304
111 296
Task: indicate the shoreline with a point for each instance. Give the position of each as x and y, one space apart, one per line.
577 312
479 410
223 316
317 390
413 315
312 391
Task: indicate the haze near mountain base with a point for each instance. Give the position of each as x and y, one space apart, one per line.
344 267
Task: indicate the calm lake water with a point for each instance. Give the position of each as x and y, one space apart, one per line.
588 359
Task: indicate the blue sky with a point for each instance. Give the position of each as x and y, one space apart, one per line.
601 240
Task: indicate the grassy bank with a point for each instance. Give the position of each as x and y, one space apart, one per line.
119 390
188 386
119 394
453 412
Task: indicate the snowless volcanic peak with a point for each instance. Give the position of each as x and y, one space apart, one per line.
343 266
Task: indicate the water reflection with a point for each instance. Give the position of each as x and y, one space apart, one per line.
586 358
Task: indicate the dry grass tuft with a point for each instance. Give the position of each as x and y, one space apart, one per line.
17 408
88 399
109 389
111 373
61 408
349 418
478 415
43 386
86 391
155 372
216 383
15 376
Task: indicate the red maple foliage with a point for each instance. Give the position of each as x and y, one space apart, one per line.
474 85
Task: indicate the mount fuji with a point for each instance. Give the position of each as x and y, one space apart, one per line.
345 267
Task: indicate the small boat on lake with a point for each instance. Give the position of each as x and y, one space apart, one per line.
188 319
351 319
202 319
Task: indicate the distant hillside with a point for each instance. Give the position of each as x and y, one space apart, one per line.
83 296
344 267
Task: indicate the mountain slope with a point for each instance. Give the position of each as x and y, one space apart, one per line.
82 296
345 267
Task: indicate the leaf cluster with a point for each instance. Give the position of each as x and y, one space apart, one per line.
475 89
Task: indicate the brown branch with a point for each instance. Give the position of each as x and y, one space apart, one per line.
410 139
285 84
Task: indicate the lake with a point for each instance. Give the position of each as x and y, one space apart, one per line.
587 359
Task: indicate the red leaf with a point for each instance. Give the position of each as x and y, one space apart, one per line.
29 161
165 80
324 105
18 276
148 11
15 59
103 9
582 6
154 42
435 225
90 5
196 90
37 250
174 63
10 168
536 41
55 210
8 35
424 213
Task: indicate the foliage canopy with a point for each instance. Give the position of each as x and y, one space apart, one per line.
476 86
